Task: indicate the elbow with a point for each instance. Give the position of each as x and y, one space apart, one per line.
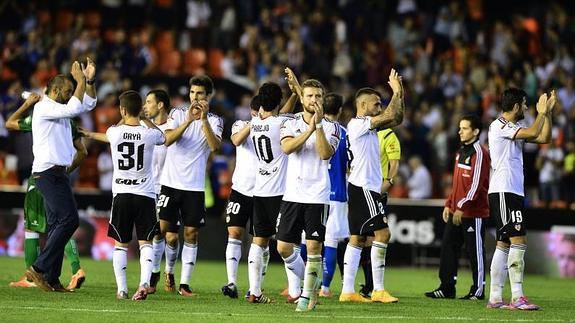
11 125
325 156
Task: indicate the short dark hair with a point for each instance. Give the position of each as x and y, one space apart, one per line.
270 96
332 103
510 97
255 103
162 96
203 80
132 101
313 83
474 121
366 90
57 81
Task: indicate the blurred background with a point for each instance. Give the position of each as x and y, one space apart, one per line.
455 57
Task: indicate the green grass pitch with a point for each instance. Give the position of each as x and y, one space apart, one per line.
95 301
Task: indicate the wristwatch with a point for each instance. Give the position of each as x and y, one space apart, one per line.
390 180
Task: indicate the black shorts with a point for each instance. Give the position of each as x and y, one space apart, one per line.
508 211
239 210
366 211
266 210
187 207
129 210
297 217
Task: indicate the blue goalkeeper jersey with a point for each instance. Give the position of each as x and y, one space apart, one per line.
338 170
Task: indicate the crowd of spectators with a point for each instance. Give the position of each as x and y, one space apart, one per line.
455 56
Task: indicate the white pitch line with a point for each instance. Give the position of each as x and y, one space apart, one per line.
317 316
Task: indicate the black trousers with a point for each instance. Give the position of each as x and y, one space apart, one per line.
62 216
471 233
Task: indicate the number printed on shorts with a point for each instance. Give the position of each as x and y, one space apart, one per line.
233 208
163 201
516 216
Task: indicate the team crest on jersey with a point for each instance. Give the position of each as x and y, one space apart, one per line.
467 160
228 219
518 227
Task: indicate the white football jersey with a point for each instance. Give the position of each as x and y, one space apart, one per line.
186 159
307 178
271 160
159 159
506 157
365 170
132 153
244 177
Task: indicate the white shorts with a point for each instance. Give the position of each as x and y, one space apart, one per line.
337 227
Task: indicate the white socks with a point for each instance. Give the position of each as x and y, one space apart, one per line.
295 269
146 263
255 266
516 266
265 262
378 252
350 265
233 256
171 257
312 272
120 262
498 274
189 254
158 246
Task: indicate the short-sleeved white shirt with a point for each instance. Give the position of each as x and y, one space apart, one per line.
271 160
244 177
506 157
159 159
186 159
132 150
365 169
307 178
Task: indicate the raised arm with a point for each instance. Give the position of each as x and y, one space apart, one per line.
295 88
545 134
13 122
393 114
532 133
322 146
80 79
213 141
89 71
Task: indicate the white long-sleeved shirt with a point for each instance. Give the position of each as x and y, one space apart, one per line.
52 133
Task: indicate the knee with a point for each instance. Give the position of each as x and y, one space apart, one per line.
191 235
172 239
235 233
357 241
285 249
382 236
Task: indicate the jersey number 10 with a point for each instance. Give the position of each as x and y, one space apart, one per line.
128 161
263 147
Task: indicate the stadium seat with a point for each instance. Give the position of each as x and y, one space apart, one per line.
194 61
164 42
93 19
215 58
64 20
169 62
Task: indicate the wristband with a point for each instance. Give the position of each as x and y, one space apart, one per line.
318 125
91 82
